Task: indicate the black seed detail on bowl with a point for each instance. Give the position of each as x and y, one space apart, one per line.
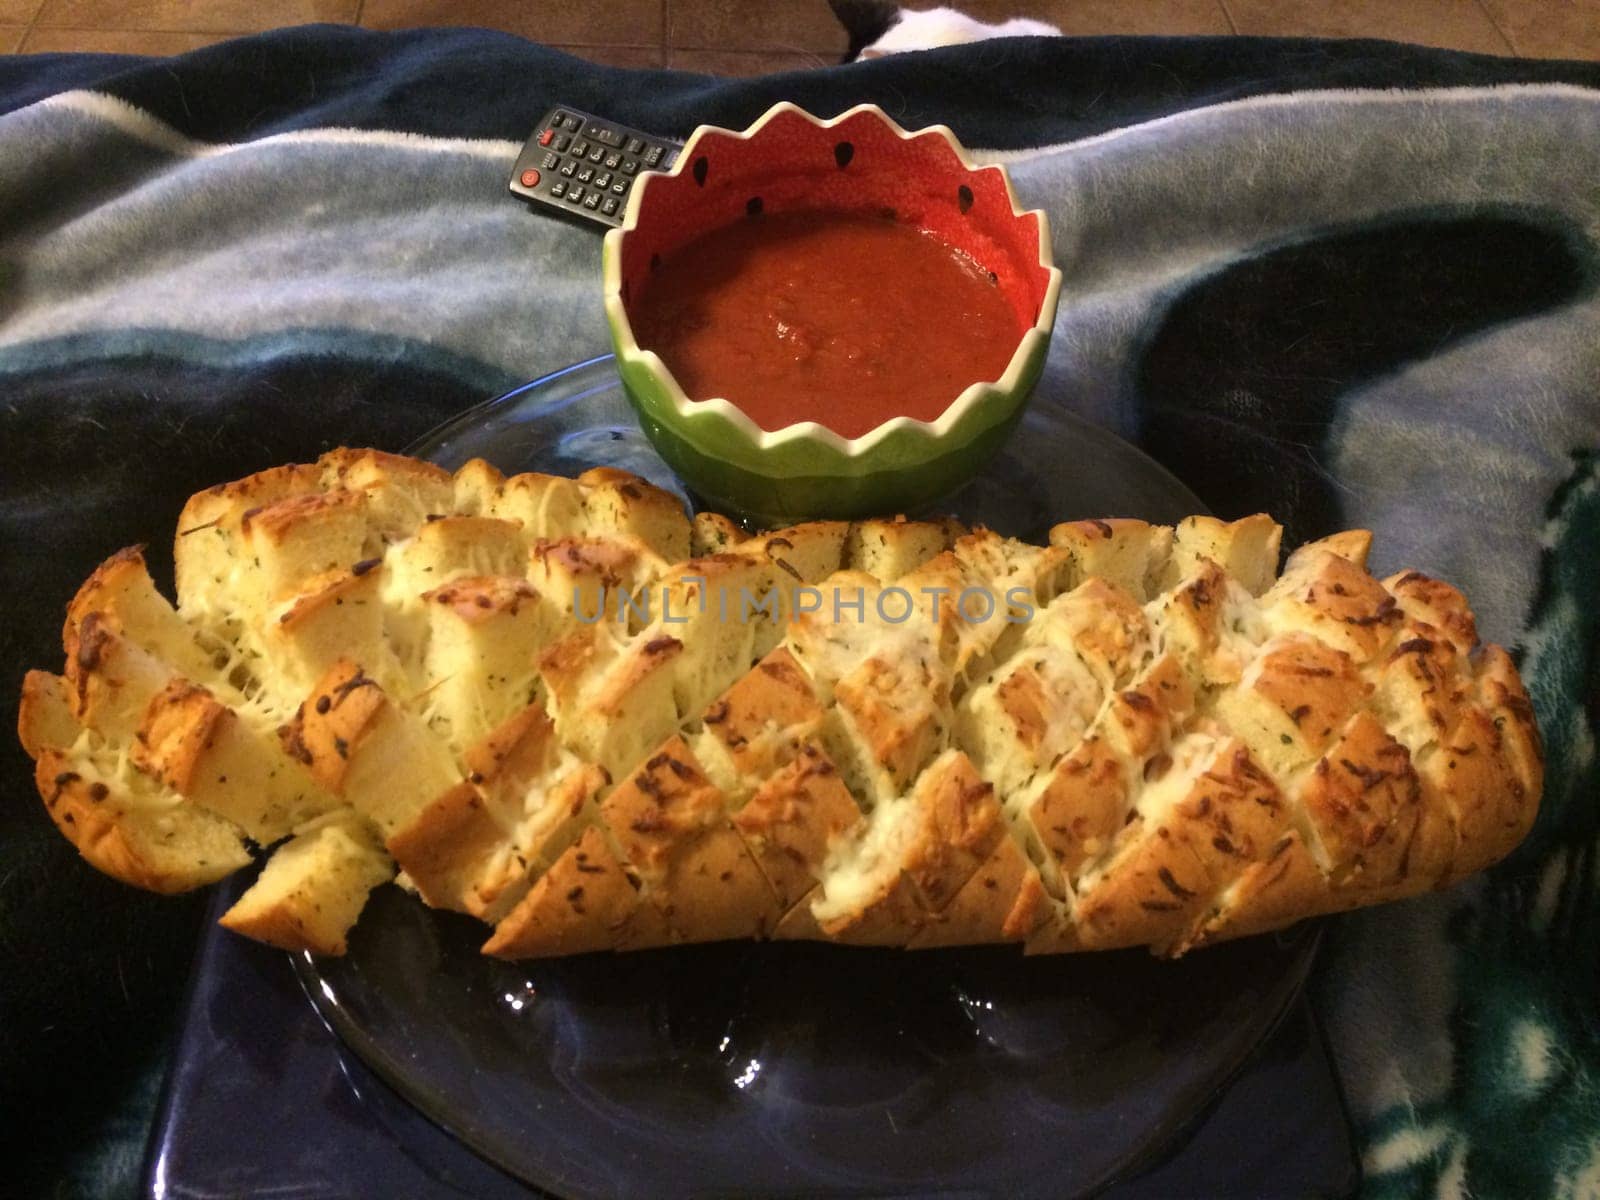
964 197
655 262
843 152
752 206
993 278
701 166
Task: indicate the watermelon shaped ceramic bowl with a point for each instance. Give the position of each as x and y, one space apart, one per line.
860 160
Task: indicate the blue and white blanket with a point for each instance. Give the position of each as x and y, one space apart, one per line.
1353 284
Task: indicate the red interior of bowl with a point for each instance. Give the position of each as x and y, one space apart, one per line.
860 165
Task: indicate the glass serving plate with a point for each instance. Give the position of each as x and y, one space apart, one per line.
795 1069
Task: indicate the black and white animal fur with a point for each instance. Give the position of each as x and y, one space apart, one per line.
877 28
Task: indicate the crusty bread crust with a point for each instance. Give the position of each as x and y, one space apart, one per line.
153 842
528 693
584 902
794 820
203 750
1004 900
45 720
313 888
671 826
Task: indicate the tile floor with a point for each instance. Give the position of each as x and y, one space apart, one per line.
747 37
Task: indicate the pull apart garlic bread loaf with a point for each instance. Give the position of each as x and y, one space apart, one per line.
561 706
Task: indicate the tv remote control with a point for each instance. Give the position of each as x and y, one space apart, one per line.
585 166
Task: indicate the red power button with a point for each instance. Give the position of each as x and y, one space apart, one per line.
530 178
544 138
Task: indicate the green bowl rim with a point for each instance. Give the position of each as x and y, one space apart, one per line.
628 350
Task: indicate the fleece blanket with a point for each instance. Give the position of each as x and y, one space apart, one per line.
1353 284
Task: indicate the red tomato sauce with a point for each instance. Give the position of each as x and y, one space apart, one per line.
844 319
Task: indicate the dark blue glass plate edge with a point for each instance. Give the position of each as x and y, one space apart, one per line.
301 1121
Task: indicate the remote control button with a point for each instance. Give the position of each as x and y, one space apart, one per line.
592 200
629 166
560 142
572 123
597 154
568 167
544 138
635 146
652 156
603 181
620 187
575 193
558 189
585 174
613 161
610 206
530 178
580 147
550 161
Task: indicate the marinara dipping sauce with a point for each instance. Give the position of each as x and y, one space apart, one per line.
846 319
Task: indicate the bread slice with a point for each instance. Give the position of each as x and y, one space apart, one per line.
1004 900
545 506
1129 555
712 533
121 589
612 696
129 829
45 720
361 746
890 549
807 553
585 902
400 493
481 661
113 681
894 711
339 615
1027 715
799 816
1292 701
202 750
913 858
480 844
1211 622
1245 550
1436 604
759 725
304 537
123 822
616 502
593 579
671 827
313 888
1328 596
707 608
1103 625
208 555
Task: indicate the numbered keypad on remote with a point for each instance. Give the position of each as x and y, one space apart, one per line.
585 166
